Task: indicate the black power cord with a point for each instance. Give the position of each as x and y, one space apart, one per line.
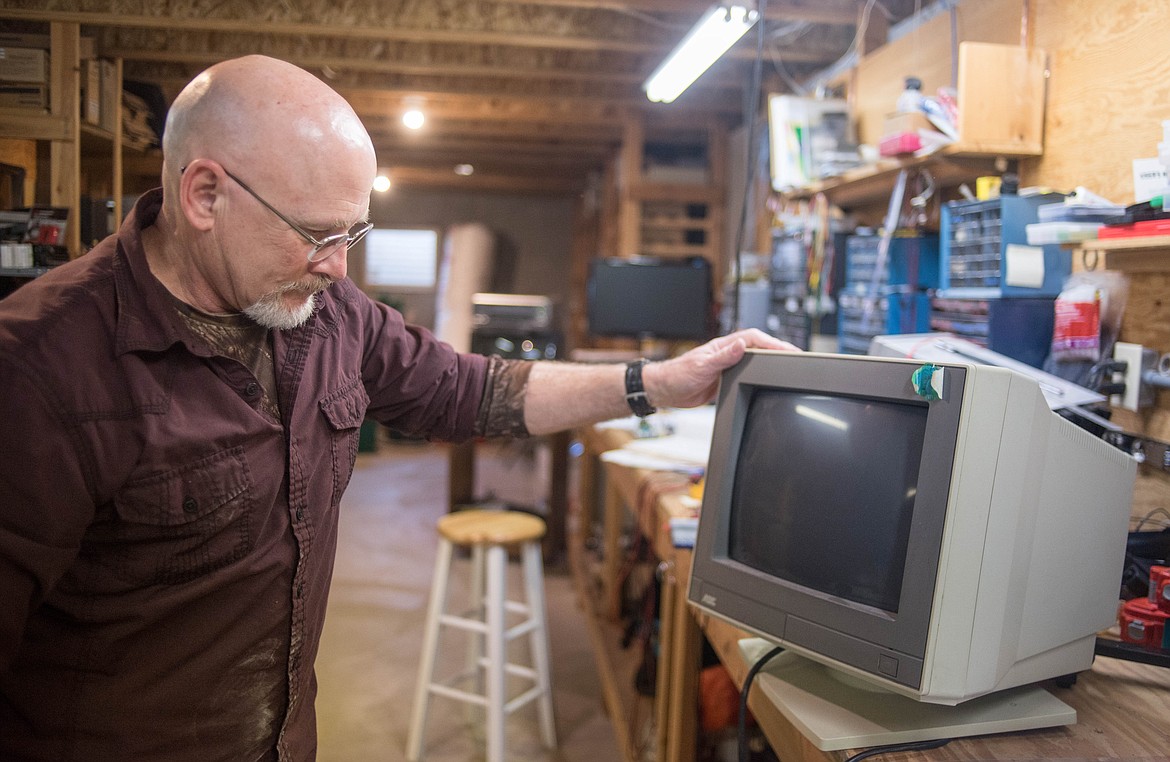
898 747
741 727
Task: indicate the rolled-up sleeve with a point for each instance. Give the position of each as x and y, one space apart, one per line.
501 413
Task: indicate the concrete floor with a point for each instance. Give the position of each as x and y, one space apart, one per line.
367 666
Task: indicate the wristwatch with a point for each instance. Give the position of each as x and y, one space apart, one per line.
635 392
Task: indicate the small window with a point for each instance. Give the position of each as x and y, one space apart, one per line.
399 258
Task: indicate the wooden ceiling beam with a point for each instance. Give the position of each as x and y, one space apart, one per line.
342 63
340 31
799 11
542 183
440 106
517 164
604 112
713 79
505 146
817 11
389 126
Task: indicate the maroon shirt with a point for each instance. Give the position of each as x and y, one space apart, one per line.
165 548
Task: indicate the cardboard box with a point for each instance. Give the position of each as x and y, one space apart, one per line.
24 96
24 65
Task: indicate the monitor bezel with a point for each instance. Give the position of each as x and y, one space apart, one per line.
891 646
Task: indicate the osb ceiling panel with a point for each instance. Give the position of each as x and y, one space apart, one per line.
522 90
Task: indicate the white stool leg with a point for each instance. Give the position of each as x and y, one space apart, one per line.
497 559
538 640
475 640
438 600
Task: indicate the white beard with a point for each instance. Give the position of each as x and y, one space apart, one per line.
271 313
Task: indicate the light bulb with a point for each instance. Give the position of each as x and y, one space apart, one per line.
413 119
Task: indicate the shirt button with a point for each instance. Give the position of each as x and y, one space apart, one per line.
252 389
301 590
190 504
300 514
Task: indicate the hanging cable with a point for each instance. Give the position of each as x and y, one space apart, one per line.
751 103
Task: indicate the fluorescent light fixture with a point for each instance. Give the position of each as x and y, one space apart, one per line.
717 31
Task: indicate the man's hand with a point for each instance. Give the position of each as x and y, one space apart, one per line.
693 378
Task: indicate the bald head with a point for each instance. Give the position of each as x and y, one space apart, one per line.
274 118
257 135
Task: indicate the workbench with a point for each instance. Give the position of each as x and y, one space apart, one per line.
1122 707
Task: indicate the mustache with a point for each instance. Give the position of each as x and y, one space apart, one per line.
314 284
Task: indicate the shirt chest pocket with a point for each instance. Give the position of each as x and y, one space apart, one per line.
344 411
179 525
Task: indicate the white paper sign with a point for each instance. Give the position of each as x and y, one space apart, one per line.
1149 179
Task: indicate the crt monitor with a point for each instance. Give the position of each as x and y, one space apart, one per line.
929 529
651 298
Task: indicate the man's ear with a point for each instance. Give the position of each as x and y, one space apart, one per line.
200 186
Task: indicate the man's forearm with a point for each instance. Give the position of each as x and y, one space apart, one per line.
566 395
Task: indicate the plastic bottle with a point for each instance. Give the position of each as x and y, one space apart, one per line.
910 99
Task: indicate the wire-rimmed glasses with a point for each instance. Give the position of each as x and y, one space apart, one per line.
323 248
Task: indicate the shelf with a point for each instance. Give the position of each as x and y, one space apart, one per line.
949 166
665 215
680 192
676 223
1135 243
81 158
33 125
681 250
1136 254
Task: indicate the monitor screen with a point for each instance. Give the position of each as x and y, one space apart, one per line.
934 529
857 461
651 298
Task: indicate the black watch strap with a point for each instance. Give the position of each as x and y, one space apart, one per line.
635 392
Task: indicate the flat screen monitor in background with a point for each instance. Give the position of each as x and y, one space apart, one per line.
926 540
651 298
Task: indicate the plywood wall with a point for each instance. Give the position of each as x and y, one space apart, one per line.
928 53
1108 93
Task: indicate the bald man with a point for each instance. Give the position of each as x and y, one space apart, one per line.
181 410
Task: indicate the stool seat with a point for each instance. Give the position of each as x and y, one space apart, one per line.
489 534
490 527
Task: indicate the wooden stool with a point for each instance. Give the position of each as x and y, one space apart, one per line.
488 533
